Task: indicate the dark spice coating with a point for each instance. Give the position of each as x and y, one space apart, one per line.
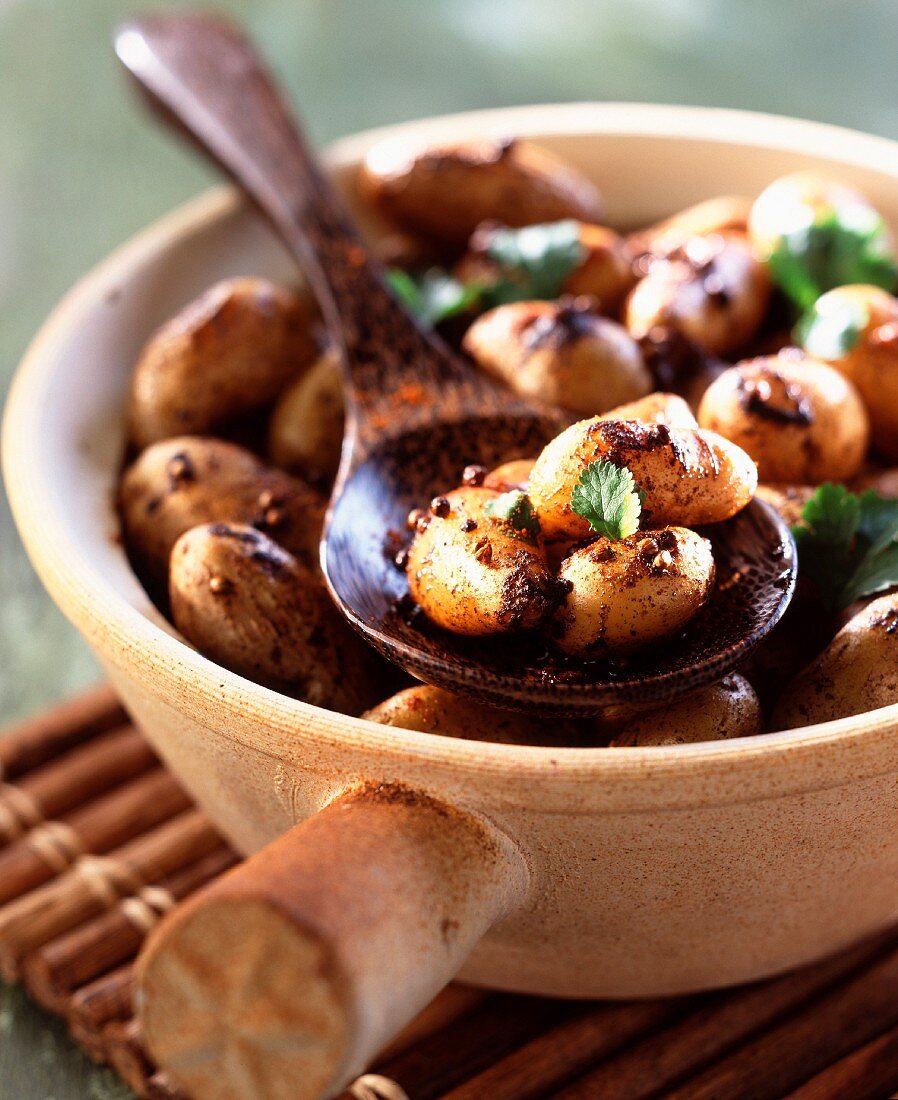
770 395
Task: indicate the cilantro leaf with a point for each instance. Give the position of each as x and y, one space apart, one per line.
535 260
434 295
516 508
834 250
848 544
832 326
606 496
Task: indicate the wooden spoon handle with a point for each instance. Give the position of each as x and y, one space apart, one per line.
289 974
202 73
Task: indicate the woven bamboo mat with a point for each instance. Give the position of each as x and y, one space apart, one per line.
97 841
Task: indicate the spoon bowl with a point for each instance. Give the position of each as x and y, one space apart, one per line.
417 413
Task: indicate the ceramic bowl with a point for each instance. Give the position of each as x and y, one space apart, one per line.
645 871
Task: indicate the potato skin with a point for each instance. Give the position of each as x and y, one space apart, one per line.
856 673
229 352
560 352
305 435
604 275
872 364
798 418
718 712
445 192
884 482
246 603
655 408
689 477
630 594
189 480
721 214
432 710
510 475
485 579
711 290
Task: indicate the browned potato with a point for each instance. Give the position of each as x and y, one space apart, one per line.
884 482
656 408
719 712
689 477
305 435
857 672
246 603
432 710
629 594
723 214
560 352
799 419
476 573
445 192
183 482
509 476
788 500
605 274
793 202
229 352
712 290
868 318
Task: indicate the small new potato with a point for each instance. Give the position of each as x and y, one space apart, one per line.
688 477
712 290
857 672
722 214
604 274
884 482
190 480
628 594
229 352
475 573
510 475
559 352
247 604
719 712
855 330
793 202
656 408
305 435
798 418
788 500
432 710
445 192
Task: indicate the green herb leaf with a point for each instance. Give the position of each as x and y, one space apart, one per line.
516 509
848 544
434 295
535 260
833 251
606 496
832 326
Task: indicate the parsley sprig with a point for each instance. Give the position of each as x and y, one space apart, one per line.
607 497
848 544
833 251
516 509
533 263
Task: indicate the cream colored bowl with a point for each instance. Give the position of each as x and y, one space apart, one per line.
638 871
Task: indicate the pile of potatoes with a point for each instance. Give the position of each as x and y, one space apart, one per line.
235 424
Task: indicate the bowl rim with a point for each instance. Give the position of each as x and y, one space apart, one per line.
91 597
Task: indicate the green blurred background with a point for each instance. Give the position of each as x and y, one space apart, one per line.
81 170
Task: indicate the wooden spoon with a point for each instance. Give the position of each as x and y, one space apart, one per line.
417 414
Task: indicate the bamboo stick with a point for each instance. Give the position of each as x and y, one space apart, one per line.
666 1057
72 779
832 1026
92 886
79 956
160 1088
868 1073
125 1053
95 828
36 740
99 1003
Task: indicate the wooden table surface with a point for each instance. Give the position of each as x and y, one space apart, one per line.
80 171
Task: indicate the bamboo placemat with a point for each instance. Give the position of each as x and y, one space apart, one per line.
97 841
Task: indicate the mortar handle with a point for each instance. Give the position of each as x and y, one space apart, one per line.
286 977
